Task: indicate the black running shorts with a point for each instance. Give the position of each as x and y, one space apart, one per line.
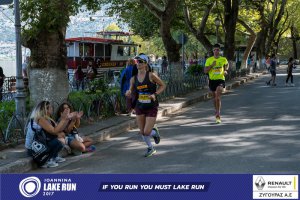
213 84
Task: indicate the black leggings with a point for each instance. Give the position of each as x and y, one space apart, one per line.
55 145
288 77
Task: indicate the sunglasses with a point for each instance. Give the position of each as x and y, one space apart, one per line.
141 61
216 50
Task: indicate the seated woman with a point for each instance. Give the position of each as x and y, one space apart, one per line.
41 119
72 138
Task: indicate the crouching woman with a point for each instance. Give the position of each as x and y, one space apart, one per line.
72 138
41 119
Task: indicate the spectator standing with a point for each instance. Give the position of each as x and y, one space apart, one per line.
263 60
79 77
273 64
290 67
268 62
2 77
25 67
164 64
91 71
127 74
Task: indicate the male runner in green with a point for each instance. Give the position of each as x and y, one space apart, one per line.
216 66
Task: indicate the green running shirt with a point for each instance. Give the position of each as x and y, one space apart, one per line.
217 72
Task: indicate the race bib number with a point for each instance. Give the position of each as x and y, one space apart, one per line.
217 70
144 98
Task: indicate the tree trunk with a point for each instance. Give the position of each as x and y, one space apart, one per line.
165 14
249 47
295 51
261 44
47 71
170 44
250 43
231 8
274 27
294 38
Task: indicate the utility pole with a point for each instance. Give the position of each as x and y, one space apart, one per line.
20 95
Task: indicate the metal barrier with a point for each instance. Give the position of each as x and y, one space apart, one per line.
9 88
98 106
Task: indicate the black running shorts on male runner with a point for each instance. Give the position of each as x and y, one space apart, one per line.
213 84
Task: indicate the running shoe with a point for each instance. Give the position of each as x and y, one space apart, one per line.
150 152
49 164
156 137
59 159
218 120
91 148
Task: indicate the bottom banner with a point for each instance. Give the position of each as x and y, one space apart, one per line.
148 186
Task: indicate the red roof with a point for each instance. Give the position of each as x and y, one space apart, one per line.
116 33
92 39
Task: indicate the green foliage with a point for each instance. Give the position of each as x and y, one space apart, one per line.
7 108
138 17
49 15
81 100
195 70
98 104
98 85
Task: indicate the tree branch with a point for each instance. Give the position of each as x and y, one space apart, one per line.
247 27
155 9
187 19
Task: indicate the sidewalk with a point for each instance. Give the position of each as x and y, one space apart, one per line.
15 160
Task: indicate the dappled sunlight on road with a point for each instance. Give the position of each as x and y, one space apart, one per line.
259 133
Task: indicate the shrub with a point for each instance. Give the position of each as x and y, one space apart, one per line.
7 109
195 70
98 85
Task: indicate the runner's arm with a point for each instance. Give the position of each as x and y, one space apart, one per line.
158 81
208 68
128 92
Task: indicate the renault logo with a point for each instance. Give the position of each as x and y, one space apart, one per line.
260 183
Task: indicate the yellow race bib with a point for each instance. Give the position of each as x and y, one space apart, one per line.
144 98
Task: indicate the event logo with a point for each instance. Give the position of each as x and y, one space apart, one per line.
260 183
275 187
29 187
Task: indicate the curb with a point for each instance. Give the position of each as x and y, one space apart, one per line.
26 164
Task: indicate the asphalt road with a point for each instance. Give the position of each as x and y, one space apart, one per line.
260 133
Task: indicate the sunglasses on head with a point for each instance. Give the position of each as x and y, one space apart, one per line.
141 61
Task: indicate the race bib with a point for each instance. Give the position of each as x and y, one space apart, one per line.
144 98
217 70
